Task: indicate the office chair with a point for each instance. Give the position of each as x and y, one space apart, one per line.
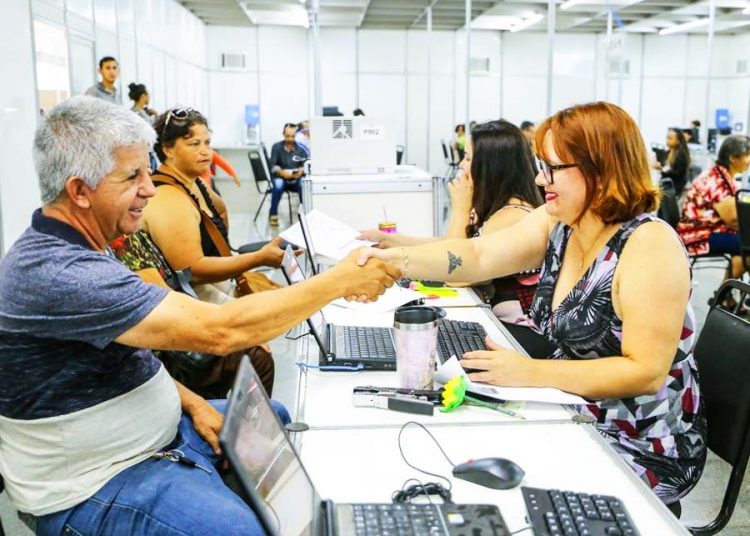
669 209
452 168
723 367
2 488
399 154
742 199
259 165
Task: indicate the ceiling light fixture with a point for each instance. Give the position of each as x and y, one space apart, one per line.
527 22
572 3
697 23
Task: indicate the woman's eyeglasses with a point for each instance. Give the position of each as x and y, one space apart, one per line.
547 169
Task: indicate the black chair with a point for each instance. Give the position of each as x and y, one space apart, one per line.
452 168
399 154
259 165
724 368
742 199
669 209
2 488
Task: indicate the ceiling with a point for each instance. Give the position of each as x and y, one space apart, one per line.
641 16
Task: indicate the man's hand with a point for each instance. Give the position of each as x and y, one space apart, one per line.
236 181
384 240
297 173
500 366
366 280
272 254
207 422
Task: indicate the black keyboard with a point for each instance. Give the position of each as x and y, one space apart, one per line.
428 520
566 513
456 337
369 343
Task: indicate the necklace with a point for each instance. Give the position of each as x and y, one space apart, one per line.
591 247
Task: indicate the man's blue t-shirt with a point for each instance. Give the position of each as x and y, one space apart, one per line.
62 304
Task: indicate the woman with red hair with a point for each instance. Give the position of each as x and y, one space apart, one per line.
613 298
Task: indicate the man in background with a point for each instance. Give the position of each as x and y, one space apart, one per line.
106 89
287 159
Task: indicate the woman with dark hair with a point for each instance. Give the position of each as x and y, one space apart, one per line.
140 97
709 215
188 222
613 298
494 190
678 160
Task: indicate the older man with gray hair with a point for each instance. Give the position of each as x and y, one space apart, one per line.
86 411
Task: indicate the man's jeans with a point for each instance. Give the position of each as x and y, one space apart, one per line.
158 496
279 185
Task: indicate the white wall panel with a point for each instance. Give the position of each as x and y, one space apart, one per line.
128 66
283 50
384 96
229 93
382 51
665 55
105 14
338 50
524 98
19 189
230 39
441 119
106 44
416 110
283 99
340 90
662 107
125 18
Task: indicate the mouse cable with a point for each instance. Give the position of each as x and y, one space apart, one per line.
403 457
297 337
521 530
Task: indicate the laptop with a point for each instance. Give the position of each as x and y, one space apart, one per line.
274 482
374 348
305 228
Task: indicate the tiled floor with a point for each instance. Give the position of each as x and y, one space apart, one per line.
699 507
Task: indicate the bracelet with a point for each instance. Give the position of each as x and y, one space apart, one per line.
404 262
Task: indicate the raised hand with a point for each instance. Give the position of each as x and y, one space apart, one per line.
272 253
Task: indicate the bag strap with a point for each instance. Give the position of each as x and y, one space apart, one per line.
214 233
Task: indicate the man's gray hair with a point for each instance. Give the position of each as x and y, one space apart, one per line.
80 137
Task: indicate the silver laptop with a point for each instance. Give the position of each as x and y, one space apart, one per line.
274 482
351 145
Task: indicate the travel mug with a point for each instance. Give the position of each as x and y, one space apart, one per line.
416 346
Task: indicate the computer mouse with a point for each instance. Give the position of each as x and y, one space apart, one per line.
495 473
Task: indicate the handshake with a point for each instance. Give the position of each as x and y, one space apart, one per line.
366 273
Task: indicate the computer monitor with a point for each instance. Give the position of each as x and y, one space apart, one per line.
331 111
351 145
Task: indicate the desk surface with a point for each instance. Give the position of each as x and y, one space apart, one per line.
365 466
325 398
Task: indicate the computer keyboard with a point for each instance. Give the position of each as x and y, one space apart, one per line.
566 513
456 337
369 343
428 520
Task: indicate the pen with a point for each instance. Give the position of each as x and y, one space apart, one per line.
496 406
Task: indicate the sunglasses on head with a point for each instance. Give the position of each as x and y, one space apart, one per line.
178 114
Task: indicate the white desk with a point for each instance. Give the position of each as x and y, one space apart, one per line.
365 466
324 399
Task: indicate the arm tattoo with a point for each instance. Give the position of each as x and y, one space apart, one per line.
453 262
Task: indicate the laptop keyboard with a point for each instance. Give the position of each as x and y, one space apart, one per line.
566 513
369 343
456 337
397 519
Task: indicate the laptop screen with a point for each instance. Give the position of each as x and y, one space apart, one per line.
293 273
265 461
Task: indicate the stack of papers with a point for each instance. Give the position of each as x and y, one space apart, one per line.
451 368
330 237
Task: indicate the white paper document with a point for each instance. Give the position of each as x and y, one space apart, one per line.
451 368
391 299
330 237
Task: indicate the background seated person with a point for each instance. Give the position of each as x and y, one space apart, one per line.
287 159
84 405
709 214
677 162
613 295
494 190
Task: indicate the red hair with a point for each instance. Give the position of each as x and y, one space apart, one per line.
605 143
